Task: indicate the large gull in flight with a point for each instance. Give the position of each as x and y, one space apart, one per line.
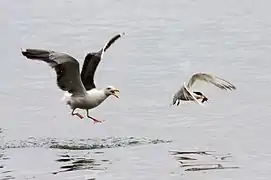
186 93
81 91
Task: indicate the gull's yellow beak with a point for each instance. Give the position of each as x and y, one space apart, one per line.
114 93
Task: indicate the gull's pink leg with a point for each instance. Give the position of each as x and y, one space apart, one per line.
77 114
94 120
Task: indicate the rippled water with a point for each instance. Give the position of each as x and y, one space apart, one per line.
143 137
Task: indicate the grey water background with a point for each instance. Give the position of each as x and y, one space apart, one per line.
165 42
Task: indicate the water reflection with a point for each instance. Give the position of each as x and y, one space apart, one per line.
71 157
5 174
85 162
202 160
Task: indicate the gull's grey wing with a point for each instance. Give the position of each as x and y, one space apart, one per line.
91 63
216 81
65 66
184 94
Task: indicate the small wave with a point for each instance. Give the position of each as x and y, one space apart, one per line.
4 173
81 144
7 178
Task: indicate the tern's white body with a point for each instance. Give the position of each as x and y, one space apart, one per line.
93 98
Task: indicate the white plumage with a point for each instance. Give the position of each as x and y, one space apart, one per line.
185 93
81 91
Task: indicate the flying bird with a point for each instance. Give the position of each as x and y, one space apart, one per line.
187 94
81 91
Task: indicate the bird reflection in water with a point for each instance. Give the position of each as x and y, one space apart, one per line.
80 163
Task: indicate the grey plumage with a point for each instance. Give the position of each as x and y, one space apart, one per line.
185 93
65 66
91 63
81 90
216 81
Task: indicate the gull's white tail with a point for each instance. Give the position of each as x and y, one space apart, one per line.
66 96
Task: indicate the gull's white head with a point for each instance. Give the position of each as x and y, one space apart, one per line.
110 90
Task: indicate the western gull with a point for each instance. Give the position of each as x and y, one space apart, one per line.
185 93
81 91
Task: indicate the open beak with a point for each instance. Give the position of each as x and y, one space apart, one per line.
114 93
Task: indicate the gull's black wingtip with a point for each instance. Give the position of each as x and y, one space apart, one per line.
111 41
23 51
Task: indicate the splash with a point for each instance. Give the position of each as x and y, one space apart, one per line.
81 144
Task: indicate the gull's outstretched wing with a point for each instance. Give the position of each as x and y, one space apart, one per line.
91 63
65 66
